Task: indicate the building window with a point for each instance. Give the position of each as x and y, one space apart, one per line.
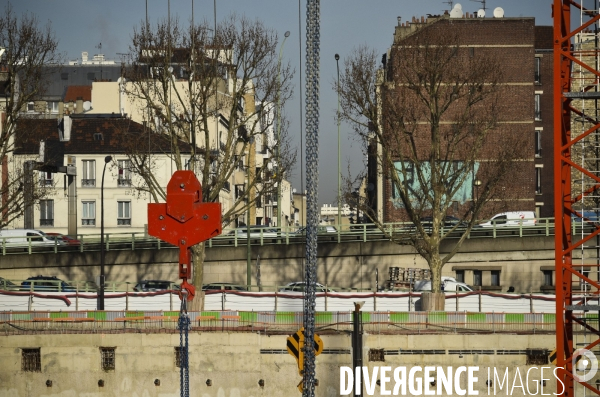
460 276
47 179
239 191
537 76
259 202
477 278
88 215
52 106
107 357
124 213
538 108
538 143
31 107
538 180
124 173
88 173
46 212
548 277
31 360
177 356
495 277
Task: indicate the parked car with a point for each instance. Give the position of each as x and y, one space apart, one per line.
64 238
223 287
449 284
514 219
300 286
46 283
449 222
320 229
22 237
255 232
8 285
155 285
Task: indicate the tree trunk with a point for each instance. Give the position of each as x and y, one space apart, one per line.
433 301
198 253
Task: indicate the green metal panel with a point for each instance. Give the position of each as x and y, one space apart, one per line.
323 317
399 317
437 317
248 316
549 317
476 317
285 317
59 315
514 317
97 315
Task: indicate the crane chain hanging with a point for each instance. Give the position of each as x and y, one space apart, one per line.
312 183
184 363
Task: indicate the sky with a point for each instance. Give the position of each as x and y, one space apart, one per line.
82 25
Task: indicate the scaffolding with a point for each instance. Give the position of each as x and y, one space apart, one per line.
577 192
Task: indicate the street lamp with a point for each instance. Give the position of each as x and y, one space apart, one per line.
477 183
286 35
100 304
337 63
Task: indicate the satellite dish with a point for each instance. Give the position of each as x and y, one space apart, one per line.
481 13
498 12
458 6
87 105
456 13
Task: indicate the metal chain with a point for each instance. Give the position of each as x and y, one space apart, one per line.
184 371
312 183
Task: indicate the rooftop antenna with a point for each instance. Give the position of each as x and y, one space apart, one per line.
482 4
449 2
99 47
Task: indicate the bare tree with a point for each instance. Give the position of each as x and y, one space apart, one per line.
27 54
429 118
216 92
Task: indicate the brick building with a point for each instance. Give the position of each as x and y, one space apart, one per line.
511 44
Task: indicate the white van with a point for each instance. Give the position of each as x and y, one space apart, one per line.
449 284
22 237
511 219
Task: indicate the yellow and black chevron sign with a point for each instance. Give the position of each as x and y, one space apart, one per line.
295 346
553 359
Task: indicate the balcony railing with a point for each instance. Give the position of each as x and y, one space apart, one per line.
123 182
124 222
88 222
88 183
46 222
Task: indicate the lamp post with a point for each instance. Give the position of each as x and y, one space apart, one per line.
357 344
337 64
477 183
100 304
279 176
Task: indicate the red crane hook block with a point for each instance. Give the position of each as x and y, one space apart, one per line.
184 220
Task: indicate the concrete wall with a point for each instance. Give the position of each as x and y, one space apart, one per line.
347 265
235 362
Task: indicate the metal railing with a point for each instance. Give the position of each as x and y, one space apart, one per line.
345 234
388 322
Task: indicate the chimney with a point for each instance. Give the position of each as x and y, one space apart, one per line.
79 105
66 128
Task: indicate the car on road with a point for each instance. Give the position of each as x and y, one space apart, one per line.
26 237
320 229
449 222
513 218
300 286
63 238
449 284
155 285
46 283
255 232
8 285
223 287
